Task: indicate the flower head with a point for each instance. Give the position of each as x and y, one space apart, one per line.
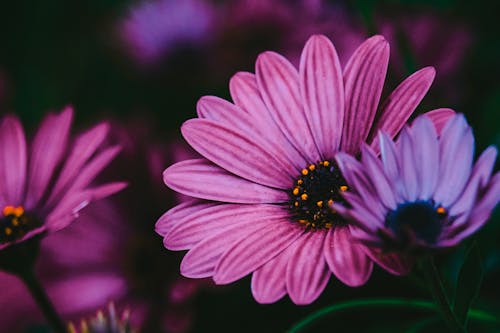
424 192
268 177
109 322
46 185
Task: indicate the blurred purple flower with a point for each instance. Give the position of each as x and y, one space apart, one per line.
43 188
425 192
153 28
269 173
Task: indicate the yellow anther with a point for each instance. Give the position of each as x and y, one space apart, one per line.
7 210
305 172
296 191
18 211
304 196
328 225
303 221
312 167
313 225
330 202
15 222
441 210
11 210
344 188
296 204
319 203
300 182
8 231
326 163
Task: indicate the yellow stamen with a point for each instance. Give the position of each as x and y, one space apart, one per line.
300 182
344 188
296 191
312 167
303 221
304 196
441 210
296 204
328 225
330 202
319 203
305 172
15 221
18 211
11 210
326 163
8 231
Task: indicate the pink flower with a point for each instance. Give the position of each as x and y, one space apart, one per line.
44 187
425 192
263 190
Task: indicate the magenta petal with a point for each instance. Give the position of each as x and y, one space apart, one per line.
105 190
278 83
201 179
364 77
255 249
389 156
244 155
48 146
12 161
197 226
346 258
322 90
409 176
268 282
307 273
440 117
170 219
391 262
67 210
401 103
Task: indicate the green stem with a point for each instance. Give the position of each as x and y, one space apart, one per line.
383 302
43 301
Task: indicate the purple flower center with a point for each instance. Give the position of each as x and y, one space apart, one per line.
318 186
420 220
15 222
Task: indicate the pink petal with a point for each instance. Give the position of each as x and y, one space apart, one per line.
408 174
391 262
170 219
401 103
346 258
67 210
364 77
278 83
217 109
307 273
246 156
322 90
255 249
212 220
12 161
201 179
105 190
440 117
389 156
48 147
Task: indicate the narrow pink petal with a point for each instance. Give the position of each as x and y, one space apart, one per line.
364 77
217 109
307 273
47 149
425 148
389 156
170 219
408 173
246 156
322 91
246 95
278 83
255 249
269 281
12 160
105 190
391 262
456 157
440 117
202 179
346 258
67 210
201 224
401 103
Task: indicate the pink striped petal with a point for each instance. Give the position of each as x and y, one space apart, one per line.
278 83
322 91
201 179
440 117
307 273
255 249
391 262
346 258
246 156
12 161
364 77
408 174
170 219
105 190
47 149
389 156
67 210
402 102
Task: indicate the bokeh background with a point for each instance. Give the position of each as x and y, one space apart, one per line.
142 65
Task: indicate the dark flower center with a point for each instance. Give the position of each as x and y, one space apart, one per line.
15 222
318 186
420 219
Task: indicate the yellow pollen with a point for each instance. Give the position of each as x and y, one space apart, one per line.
344 188
313 225
303 221
11 210
330 202
326 163
319 203
295 191
441 210
328 225
15 222
296 204
304 196
312 167
305 172
8 231
300 182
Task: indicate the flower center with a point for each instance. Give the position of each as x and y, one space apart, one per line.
15 222
420 220
318 186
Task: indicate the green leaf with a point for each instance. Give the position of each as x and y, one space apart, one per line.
469 283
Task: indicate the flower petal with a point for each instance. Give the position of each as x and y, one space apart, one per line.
170 219
307 273
346 258
440 117
391 262
322 91
201 179
364 77
408 174
255 249
278 83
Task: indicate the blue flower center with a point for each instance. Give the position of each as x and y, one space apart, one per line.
15 222
420 219
318 186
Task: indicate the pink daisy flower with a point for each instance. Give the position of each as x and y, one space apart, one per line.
425 192
43 187
268 176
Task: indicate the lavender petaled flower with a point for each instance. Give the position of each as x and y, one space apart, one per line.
425 192
44 187
268 177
